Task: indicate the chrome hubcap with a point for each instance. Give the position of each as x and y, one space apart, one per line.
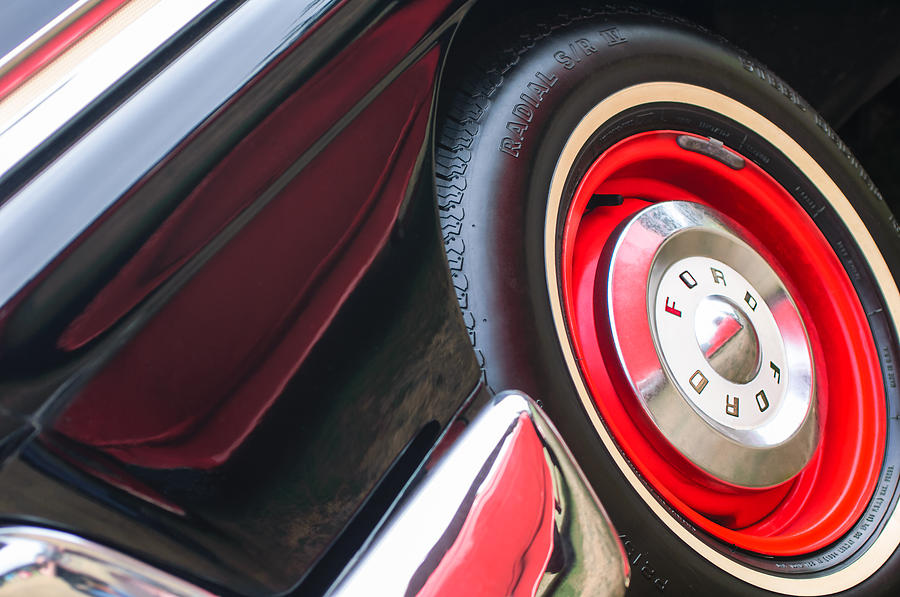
712 344
727 339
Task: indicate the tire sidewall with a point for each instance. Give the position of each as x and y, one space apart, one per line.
502 281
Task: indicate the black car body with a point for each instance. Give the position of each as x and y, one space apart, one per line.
229 331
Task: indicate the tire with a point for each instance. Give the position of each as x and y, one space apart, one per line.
517 136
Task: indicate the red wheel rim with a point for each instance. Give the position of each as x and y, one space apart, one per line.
819 505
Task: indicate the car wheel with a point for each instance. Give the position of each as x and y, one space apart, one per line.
658 239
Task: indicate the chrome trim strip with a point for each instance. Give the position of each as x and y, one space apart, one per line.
112 157
429 534
26 126
42 35
37 562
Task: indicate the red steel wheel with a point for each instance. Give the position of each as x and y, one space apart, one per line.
815 506
660 241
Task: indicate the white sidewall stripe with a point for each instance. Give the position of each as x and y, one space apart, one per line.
673 92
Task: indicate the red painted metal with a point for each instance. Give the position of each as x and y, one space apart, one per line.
507 538
819 505
41 56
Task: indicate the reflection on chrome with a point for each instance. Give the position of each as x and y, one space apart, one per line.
48 99
712 343
38 562
505 511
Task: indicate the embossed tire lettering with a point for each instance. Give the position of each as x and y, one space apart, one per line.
549 151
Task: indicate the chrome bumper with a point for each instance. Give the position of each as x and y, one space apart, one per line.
38 562
499 509
504 511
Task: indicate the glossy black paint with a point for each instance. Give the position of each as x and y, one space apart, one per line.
74 132
301 493
387 371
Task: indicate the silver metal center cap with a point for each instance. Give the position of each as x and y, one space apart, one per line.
712 344
727 339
